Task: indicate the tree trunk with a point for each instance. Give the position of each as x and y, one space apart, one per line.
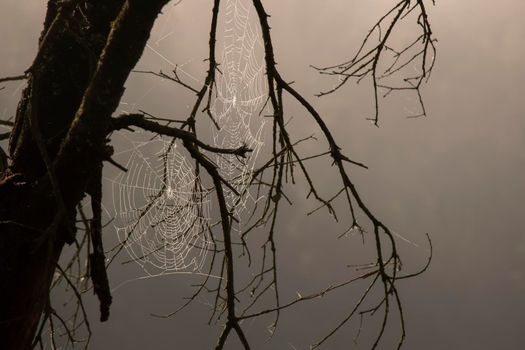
74 85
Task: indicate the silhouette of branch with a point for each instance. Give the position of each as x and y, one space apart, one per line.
233 320
367 61
93 121
97 259
127 120
386 269
13 78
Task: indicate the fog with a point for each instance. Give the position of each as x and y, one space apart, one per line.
456 174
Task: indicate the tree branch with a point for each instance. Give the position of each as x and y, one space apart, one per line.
138 120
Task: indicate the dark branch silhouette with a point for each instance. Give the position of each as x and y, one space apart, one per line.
61 138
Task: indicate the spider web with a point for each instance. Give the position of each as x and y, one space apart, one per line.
241 94
161 211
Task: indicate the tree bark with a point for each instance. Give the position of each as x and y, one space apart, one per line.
74 85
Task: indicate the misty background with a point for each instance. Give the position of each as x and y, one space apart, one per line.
457 174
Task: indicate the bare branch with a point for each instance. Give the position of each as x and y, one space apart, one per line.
420 53
138 120
13 78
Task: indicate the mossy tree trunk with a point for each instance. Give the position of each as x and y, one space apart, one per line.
58 142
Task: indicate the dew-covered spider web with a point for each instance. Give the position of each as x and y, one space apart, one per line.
161 211
241 94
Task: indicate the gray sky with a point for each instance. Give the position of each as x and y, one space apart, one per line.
457 175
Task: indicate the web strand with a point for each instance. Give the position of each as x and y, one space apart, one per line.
241 93
161 211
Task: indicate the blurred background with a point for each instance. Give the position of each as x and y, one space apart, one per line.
456 174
